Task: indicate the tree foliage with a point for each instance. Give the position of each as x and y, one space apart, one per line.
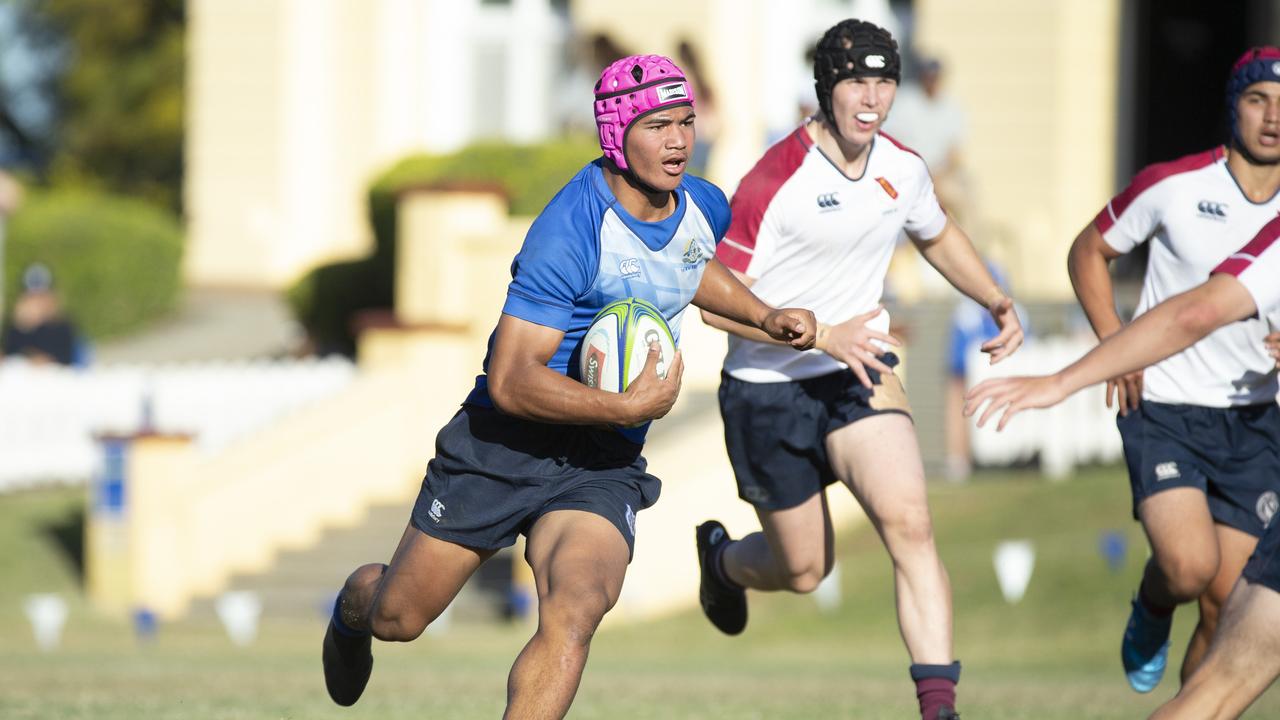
116 91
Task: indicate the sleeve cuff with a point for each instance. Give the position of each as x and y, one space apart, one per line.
537 312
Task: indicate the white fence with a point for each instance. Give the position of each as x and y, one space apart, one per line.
49 415
1079 430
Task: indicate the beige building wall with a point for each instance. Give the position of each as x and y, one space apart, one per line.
295 105
1038 80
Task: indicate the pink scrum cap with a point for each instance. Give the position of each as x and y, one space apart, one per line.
628 90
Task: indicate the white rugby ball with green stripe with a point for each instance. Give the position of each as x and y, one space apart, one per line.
616 346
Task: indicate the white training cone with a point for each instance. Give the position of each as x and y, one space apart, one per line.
239 612
440 626
1014 560
829 593
47 613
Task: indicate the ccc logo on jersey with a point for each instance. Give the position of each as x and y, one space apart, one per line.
1212 210
828 201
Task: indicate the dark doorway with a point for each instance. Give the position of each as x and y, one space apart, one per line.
1179 53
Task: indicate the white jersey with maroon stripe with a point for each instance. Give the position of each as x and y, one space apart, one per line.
1194 215
812 237
1257 267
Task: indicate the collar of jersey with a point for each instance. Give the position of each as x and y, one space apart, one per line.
654 235
1221 157
814 147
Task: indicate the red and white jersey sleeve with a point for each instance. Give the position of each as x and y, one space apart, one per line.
811 237
1193 215
1257 267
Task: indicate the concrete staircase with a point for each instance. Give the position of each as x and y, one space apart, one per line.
302 583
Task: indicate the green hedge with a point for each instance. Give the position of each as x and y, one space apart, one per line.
325 299
115 260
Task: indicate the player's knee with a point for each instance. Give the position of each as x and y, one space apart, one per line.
390 621
1189 577
807 578
908 528
572 617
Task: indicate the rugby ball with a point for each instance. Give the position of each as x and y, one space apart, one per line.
616 345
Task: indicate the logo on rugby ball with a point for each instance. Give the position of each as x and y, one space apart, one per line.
593 366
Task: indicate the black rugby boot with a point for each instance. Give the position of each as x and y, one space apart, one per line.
348 660
724 604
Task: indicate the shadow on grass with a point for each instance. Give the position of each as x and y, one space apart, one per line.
67 534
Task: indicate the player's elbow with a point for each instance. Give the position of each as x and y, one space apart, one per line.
1199 317
710 318
501 392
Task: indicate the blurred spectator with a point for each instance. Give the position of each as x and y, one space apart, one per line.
931 122
591 54
708 122
38 330
971 325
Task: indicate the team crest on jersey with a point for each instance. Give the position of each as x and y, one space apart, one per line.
1268 503
629 268
888 187
1212 210
692 252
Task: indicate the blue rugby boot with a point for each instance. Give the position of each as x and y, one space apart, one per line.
1145 648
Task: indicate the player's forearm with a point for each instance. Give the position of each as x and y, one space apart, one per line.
536 392
722 294
1091 280
1166 329
737 328
952 254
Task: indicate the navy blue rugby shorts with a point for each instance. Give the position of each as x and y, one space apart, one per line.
1232 455
776 432
494 475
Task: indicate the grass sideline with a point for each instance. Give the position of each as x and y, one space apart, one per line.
1053 655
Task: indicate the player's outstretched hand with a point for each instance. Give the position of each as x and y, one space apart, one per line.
850 342
795 326
649 396
1127 390
1273 346
1014 394
1010 338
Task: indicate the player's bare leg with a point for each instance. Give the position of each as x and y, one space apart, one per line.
1234 548
392 603
1184 547
879 459
793 550
1184 560
579 560
1242 662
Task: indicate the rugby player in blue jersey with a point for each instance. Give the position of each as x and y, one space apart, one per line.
533 451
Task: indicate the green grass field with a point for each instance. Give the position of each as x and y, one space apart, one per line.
1054 655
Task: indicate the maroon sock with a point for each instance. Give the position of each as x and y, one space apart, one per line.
935 694
935 687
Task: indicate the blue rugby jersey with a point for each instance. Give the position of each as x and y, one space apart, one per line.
585 251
